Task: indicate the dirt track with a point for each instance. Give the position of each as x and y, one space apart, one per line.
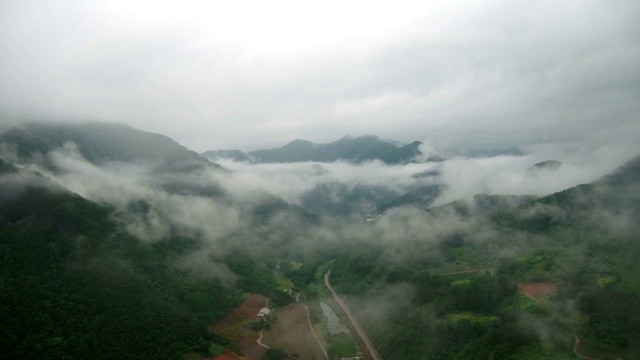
576 350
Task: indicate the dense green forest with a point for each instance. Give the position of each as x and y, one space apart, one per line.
75 285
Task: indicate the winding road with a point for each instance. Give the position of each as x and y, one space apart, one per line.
365 339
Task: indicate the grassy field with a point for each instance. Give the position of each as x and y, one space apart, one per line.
343 344
282 281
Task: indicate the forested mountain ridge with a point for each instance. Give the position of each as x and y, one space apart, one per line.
142 271
102 142
356 150
76 285
351 149
421 197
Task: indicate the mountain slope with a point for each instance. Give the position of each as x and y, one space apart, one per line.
235 155
74 284
104 142
340 199
64 148
421 197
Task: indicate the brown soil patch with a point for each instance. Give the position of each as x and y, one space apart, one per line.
291 332
228 355
536 290
244 339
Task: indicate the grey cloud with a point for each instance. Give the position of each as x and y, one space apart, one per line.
492 71
582 162
203 265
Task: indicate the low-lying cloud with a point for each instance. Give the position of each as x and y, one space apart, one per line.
463 177
222 220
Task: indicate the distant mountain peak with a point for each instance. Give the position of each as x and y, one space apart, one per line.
548 164
299 143
101 142
355 149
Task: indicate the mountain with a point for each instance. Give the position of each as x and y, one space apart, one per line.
421 197
482 205
100 143
75 284
341 199
355 150
547 165
491 152
146 270
235 155
626 175
171 165
161 244
351 149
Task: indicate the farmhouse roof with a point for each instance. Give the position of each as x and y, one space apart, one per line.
264 312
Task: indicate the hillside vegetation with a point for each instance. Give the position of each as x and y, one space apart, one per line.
76 285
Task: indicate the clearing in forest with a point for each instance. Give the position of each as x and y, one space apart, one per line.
538 291
244 339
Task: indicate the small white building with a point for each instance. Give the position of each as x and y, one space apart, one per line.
264 313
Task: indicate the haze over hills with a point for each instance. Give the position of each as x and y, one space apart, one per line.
356 150
101 142
351 149
141 244
503 222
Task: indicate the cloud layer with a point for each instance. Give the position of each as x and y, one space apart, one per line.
250 75
463 177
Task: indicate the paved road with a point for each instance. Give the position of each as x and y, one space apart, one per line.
365 339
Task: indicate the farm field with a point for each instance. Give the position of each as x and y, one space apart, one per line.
244 339
291 333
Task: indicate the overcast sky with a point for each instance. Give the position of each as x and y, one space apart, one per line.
253 74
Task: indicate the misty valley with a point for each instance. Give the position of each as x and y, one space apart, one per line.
117 243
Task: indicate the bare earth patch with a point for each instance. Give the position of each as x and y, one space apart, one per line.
291 333
244 339
536 290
